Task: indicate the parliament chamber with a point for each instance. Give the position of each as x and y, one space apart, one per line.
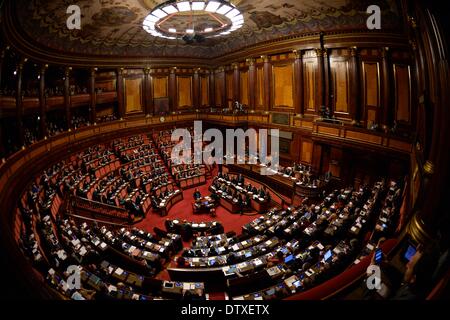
94 205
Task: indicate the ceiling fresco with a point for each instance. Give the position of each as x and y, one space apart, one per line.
114 27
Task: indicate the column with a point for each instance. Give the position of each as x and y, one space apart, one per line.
120 101
355 105
148 107
42 104
93 104
236 83
196 99
223 88
252 83
67 101
173 90
320 79
386 100
19 105
267 81
327 78
212 88
298 83
2 58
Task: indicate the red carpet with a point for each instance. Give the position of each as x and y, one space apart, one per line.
183 211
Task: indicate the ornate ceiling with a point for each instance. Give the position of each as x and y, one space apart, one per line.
114 27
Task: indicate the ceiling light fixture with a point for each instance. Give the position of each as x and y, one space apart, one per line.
166 20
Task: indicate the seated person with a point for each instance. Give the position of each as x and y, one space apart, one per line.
248 200
181 262
197 195
262 193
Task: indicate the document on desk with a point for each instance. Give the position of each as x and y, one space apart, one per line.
273 271
257 262
119 271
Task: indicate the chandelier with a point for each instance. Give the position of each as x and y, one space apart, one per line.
193 20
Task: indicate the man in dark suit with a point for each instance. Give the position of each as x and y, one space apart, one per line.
197 195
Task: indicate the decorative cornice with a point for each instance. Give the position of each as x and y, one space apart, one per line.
250 61
298 54
265 58
319 52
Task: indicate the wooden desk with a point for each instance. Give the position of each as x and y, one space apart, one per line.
204 205
173 199
230 205
191 182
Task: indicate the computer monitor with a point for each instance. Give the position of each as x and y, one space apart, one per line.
289 258
378 256
248 254
168 284
270 292
327 256
410 251
297 284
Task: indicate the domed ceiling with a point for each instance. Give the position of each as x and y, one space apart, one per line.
114 27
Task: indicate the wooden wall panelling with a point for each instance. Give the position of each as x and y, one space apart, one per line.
316 161
306 151
244 88
160 87
402 80
283 86
341 87
371 92
184 92
133 95
204 90
335 161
